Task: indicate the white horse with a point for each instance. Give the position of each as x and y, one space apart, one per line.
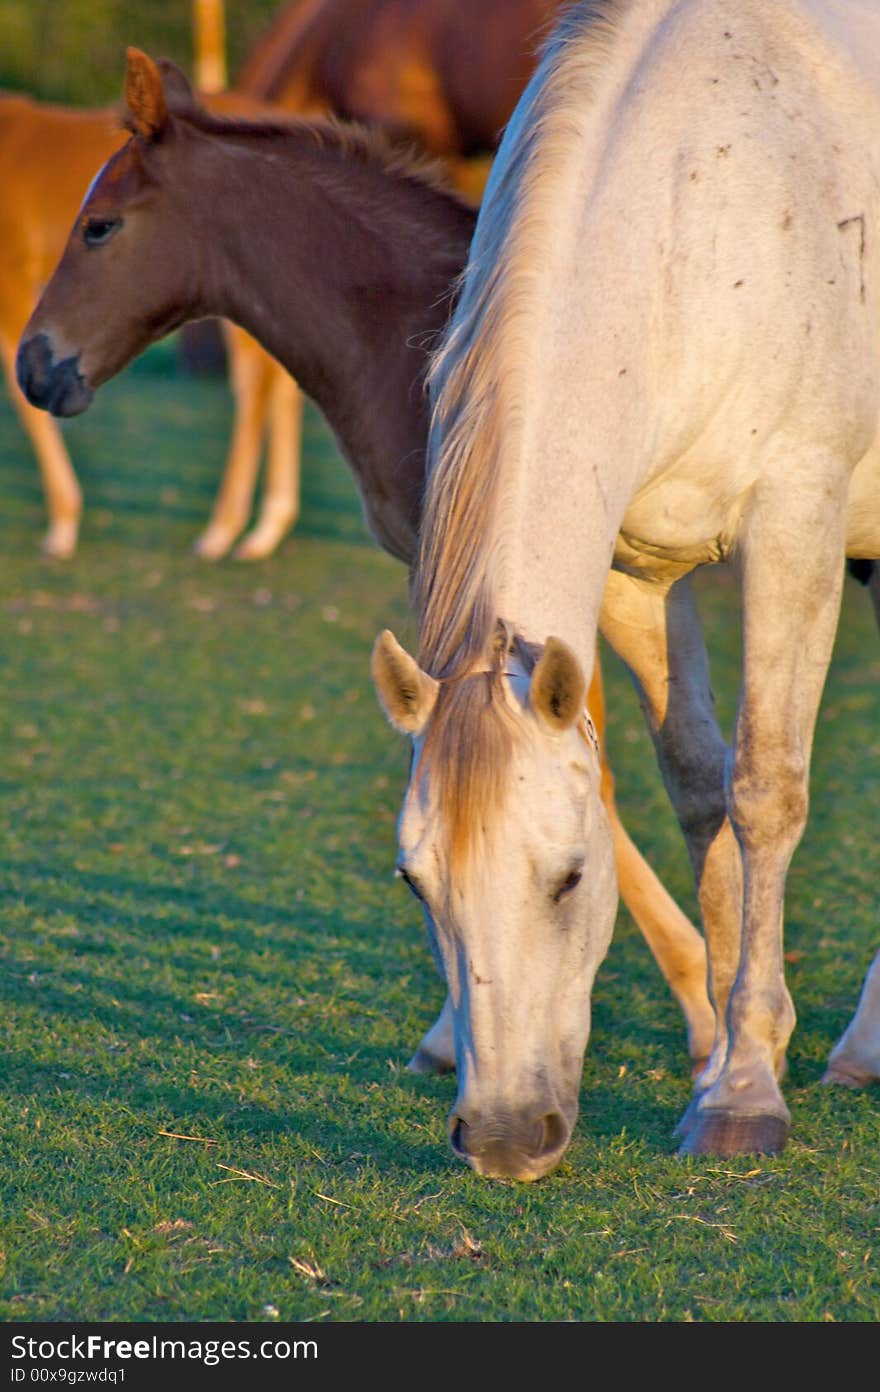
664 354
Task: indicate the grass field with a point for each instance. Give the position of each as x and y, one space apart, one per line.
201 935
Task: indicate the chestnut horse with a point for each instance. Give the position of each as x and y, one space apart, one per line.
159 241
48 155
431 71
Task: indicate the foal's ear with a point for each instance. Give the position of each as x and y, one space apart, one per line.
558 689
144 95
406 693
176 84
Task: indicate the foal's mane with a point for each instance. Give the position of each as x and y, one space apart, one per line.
368 145
478 377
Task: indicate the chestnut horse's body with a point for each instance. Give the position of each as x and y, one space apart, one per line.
160 241
431 71
48 154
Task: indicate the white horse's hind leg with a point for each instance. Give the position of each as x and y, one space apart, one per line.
279 508
677 947
792 546
855 1058
657 634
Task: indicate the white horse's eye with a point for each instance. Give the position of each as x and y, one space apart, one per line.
408 880
571 881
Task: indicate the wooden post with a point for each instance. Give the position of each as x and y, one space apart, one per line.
201 351
210 45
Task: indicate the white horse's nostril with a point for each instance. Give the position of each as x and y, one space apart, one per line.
457 1137
553 1133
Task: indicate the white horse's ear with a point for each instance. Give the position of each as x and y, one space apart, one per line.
144 95
558 689
406 693
175 84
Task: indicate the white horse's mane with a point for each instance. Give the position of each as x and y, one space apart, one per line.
476 379
478 373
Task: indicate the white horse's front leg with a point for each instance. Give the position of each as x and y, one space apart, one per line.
436 1053
855 1058
792 548
678 948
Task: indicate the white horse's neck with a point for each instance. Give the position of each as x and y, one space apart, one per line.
554 517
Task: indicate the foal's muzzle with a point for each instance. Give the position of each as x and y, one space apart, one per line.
58 387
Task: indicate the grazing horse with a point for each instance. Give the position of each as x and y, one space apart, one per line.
198 216
48 155
664 354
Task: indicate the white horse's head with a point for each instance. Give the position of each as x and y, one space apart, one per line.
504 840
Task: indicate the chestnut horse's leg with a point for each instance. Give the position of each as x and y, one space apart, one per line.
62 491
279 506
250 376
257 391
678 947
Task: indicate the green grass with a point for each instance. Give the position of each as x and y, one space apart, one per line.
200 934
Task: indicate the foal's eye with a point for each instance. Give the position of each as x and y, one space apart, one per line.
408 880
568 884
97 231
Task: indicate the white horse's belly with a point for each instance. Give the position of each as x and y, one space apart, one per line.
676 524
863 510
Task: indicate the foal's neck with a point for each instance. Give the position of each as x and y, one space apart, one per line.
340 259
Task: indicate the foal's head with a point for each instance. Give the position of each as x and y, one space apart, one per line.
128 274
504 842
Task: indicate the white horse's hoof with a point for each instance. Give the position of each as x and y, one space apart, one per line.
847 1072
436 1052
423 1061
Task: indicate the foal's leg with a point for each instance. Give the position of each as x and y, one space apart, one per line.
656 631
60 487
250 370
279 507
791 604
